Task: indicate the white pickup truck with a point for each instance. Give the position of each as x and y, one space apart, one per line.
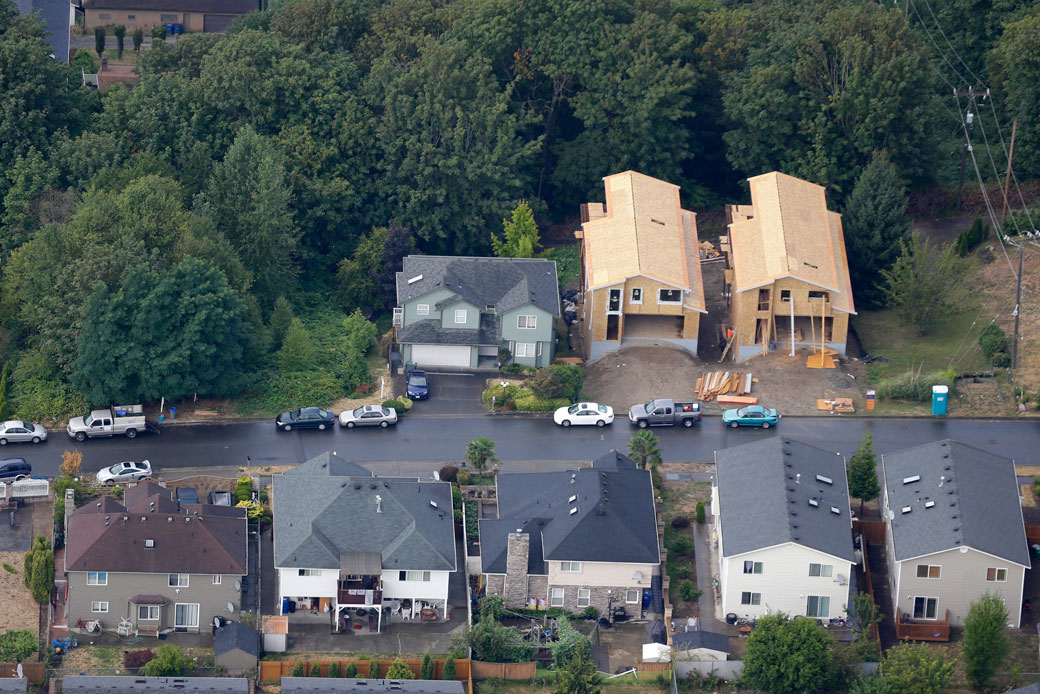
118 419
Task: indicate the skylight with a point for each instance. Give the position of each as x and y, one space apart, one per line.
907 509
415 279
814 502
835 509
574 497
574 510
825 480
929 504
911 479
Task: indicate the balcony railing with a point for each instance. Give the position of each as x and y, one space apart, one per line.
347 596
924 629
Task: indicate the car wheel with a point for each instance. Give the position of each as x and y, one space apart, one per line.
734 425
350 425
643 424
765 425
18 478
321 427
287 427
687 423
601 423
384 424
565 423
3 442
131 433
36 439
81 437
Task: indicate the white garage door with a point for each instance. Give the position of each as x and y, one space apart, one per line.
440 355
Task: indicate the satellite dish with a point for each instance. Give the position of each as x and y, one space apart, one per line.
216 622
231 607
238 586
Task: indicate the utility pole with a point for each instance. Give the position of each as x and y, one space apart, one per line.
1018 306
1007 176
969 117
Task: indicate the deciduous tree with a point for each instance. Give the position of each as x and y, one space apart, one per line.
915 668
1016 77
862 472
925 283
986 644
787 656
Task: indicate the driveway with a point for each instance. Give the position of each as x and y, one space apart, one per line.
452 394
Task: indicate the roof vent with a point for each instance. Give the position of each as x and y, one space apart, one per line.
149 543
929 504
574 478
373 485
907 509
835 510
433 503
379 503
814 502
798 478
413 280
825 480
357 486
911 479
573 510
574 497
169 519
188 519
144 518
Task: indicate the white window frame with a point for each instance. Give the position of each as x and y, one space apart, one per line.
584 597
751 598
216 579
753 567
524 349
639 596
175 580
460 313
417 576
99 606
573 567
926 599
823 605
822 570
997 571
928 571
526 322
669 303
632 295
188 625
148 611
100 578
422 309
557 597
309 572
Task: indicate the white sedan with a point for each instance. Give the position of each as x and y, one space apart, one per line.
368 416
584 413
124 472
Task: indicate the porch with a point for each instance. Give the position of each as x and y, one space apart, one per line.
923 629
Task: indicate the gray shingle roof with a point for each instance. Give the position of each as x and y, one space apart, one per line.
11 685
317 518
765 490
81 684
55 15
330 465
235 635
290 685
700 639
429 331
505 283
615 521
976 499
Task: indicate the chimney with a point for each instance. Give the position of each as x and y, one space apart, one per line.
518 547
70 507
379 504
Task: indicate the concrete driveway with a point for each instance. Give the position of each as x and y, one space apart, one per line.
452 394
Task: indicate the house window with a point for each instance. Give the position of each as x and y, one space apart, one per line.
97 578
584 597
148 613
556 597
633 596
928 571
414 576
637 296
460 315
570 566
527 322
216 579
170 17
178 580
821 570
785 295
818 606
186 614
926 608
820 295
524 349
750 598
422 309
131 17
998 575
763 299
310 572
752 567
99 606
669 296
105 16
614 301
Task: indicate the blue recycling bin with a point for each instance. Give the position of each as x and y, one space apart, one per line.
940 395
173 412
285 605
169 30
176 29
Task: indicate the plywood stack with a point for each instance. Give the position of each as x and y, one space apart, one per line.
734 384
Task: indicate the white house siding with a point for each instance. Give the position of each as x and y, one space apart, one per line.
434 589
291 584
784 583
962 579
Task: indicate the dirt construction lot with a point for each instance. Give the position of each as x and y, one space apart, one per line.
636 374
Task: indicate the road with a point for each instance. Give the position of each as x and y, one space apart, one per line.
420 444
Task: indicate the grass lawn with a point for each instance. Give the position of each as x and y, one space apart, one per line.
954 343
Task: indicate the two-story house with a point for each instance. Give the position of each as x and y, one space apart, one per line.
573 539
640 267
955 531
783 530
161 567
345 542
787 273
460 312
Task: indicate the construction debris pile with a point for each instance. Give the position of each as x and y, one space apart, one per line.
726 387
709 253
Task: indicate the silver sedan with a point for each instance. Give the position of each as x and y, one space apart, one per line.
17 431
368 416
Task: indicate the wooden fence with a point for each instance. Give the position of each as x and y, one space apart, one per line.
653 668
1032 534
34 672
272 671
872 531
502 671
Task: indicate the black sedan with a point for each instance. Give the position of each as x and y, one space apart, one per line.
305 418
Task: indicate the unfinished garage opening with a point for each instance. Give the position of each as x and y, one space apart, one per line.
649 327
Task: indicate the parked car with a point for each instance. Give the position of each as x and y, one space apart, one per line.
14 469
584 413
118 419
126 471
368 416
220 499
417 387
663 412
187 495
751 416
17 431
305 418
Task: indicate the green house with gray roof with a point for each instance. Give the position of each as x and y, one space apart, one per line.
460 312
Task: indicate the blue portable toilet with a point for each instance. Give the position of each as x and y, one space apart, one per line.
940 394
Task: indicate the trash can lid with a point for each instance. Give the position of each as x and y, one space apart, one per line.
940 389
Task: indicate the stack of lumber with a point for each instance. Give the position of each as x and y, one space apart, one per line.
726 386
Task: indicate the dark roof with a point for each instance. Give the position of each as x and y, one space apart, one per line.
13 685
429 331
615 519
81 684
236 636
108 536
1028 689
700 639
205 6
323 685
330 465
976 499
766 492
615 460
55 15
317 519
505 283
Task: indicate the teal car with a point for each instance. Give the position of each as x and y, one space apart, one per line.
751 416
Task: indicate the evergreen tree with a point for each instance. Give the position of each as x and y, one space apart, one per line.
99 40
138 39
426 667
281 318
5 408
297 348
350 670
579 676
448 671
357 278
399 671
986 644
926 283
520 234
862 472
334 670
373 669
120 32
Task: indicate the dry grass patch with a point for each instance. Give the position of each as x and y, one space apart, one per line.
383 390
20 610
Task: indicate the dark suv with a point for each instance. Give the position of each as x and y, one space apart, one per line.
14 468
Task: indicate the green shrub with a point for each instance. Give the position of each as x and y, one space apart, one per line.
682 571
968 240
159 32
399 671
315 670
333 670
297 669
84 61
426 667
913 386
350 670
687 591
545 383
10 569
503 396
700 512
373 669
590 613
448 671
533 403
448 473
515 369
995 345
244 489
680 545
395 405
681 522
464 477
572 378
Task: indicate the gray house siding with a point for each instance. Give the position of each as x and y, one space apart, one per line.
411 308
212 599
543 336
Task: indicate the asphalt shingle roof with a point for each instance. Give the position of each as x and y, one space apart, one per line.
55 15
316 519
330 465
615 522
505 283
700 639
429 331
82 684
291 685
976 499
10 685
765 489
235 635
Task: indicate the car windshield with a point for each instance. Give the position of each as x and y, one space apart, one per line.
88 420
115 469
358 412
295 414
417 380
649 406
602 408
573 409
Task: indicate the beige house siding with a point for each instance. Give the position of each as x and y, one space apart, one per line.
596 317
145 19
745 314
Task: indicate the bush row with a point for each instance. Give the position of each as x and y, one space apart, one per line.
913 385
995 346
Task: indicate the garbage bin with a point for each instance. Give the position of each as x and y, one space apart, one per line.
173 412
871 399
176 29
169 30
940 394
